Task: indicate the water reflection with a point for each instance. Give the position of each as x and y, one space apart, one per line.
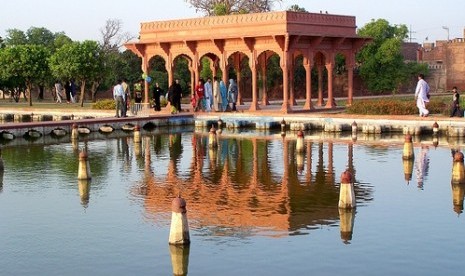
244 188
422 166
84 191
180 259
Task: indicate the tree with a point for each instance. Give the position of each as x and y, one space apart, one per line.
297 8
26 63
15 37
82 61
382 66
38 36
224 7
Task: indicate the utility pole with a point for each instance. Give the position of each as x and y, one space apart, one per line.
411 34
447 29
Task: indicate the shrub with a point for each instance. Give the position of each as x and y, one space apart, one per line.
394 107
107 104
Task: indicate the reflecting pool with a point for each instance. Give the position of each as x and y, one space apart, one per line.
255 206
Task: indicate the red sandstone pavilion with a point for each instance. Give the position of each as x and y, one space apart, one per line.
227 40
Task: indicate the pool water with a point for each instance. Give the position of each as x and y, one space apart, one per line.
255 206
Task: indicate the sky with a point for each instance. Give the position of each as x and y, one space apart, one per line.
81 20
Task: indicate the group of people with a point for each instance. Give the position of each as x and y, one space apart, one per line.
422 98
68 91
122 96
216 96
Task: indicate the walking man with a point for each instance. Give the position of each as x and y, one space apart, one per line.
422 95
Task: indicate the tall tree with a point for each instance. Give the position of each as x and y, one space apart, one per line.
223 7
81 61
15 37
382 66
28 63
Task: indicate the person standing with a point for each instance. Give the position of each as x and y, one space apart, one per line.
208 95
58 89
73 89
224 96
455 108
127 97
156 94
177 95
216 95
68 91
200 96
422 95
118 95
232 94
138 91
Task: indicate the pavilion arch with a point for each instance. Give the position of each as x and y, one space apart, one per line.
157 68
238 67
284 33
264 59
214 63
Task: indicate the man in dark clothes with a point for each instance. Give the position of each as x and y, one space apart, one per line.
157 92
176 95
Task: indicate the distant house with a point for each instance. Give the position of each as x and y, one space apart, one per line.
446 61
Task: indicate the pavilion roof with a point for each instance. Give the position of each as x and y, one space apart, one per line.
267 24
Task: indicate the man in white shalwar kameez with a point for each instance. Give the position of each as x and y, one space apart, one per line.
208 95
421 95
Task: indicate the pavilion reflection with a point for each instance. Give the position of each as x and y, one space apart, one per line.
246 185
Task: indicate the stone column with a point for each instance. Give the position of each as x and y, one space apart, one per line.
285 67
253 67
320 85
330 103
308 84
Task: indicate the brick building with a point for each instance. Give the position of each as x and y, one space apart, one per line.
446 61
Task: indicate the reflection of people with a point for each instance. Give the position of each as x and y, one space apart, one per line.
455 108
422 95
422 166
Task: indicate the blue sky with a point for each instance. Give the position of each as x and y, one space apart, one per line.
83 19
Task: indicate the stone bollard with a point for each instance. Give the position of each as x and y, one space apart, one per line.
347 193
75 132
179 230
435 128
84 168
408 169
458 172
354 127
300 141
212 142
346 220
137 137
283 128
408 153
